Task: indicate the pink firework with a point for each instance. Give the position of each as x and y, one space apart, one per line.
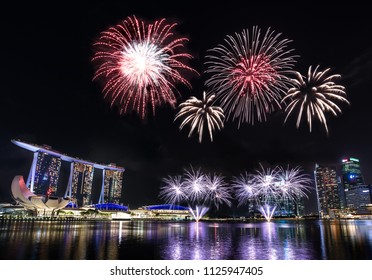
140 64
249 74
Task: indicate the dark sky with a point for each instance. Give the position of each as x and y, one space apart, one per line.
48 96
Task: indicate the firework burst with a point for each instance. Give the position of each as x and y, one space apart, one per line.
140 64
249 74
268 188
293 183
315 95
217 190
173 191
198 190
244 187
199 113
266 184
194 183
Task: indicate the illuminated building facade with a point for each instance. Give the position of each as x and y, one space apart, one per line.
352 183
289 208
358 196
112 185
292 208
351 173
45 172
327 189
82 182
283 207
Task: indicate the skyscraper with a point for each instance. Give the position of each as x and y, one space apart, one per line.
327 189
356 192
357 197
351 172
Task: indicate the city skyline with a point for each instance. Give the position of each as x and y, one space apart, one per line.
337 187
52 99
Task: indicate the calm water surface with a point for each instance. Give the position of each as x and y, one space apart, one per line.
136 240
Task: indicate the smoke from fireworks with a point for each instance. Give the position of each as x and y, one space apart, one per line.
314 95
199 113
249 74
140 64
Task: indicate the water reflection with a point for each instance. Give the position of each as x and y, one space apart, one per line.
350 239
276 240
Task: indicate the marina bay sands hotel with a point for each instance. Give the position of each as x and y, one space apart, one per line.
44 176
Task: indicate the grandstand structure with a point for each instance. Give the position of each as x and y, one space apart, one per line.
45 172
162 212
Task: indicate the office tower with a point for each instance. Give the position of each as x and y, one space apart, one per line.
47 170
351 172
341 193
327 189
290 208
358 196
283 207
351 179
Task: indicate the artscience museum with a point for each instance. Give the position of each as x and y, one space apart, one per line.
31 201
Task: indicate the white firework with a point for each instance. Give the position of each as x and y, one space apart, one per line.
194 184
293 183
270 187
218 192
200 114
313 96
244 188
173 191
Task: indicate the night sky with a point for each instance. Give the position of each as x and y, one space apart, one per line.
48 96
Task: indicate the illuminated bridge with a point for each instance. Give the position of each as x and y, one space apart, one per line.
45 172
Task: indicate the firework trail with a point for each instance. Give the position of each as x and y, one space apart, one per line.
314 95
249 74
199 113
140 64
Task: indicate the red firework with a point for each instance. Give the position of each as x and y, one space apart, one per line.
252 74
249 74
140 64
